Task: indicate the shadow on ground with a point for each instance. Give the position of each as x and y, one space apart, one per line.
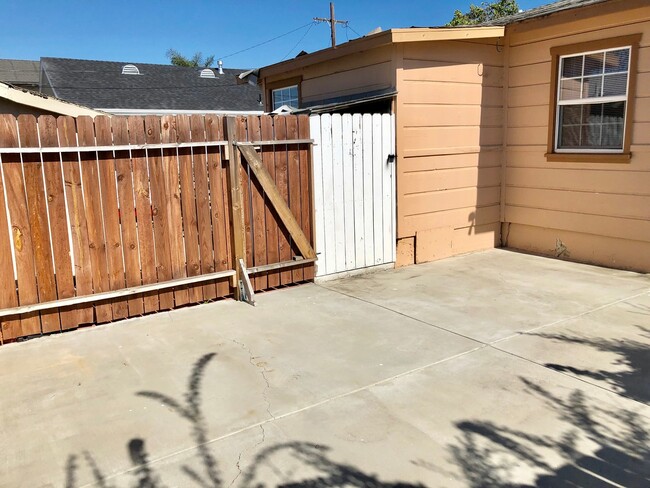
323 471
617 440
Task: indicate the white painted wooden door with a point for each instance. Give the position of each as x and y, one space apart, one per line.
354 191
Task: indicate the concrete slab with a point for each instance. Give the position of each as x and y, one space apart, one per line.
316 388
492 295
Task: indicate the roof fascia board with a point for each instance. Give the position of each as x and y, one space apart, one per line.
46 104
413 34
153 111
446 34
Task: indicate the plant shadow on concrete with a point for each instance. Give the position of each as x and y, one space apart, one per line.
323 471
600 447
633 377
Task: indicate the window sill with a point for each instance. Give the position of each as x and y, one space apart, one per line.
588 157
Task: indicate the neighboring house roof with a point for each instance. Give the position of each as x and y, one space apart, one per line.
44 103
542 11
20 72
101 85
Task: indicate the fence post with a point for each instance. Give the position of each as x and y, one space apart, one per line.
237 230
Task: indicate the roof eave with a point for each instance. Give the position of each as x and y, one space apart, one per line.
45 103
413 34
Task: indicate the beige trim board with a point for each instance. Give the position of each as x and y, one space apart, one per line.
45 103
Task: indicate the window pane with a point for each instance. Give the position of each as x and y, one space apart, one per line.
570 90
570 137
617 61
615 85
572 67
571 115
594 64
612 137
593 87
614 113
293 91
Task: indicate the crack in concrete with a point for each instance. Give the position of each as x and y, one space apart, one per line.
239 458
263 372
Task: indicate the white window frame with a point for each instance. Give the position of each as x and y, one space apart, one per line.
289 87
591 101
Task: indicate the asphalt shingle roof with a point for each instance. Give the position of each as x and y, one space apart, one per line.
101 84
543 10
19 72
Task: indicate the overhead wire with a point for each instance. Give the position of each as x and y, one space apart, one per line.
266 42
298 43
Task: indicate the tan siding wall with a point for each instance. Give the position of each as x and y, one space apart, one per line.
450 141
358 73
599 212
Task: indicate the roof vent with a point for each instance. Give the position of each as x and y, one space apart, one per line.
207 73
220 64
130 69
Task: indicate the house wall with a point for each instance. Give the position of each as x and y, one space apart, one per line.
592 212
356 73
450 146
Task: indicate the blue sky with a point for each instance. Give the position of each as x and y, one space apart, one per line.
143 30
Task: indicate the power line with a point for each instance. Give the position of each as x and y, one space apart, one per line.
265 42
349 27
297 43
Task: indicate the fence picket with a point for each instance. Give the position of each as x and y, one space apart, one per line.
38 222
357 171
260 281
348 192
127 218
271 238
306 190
83 275
111 215
70 318
282 182
143 212
293 181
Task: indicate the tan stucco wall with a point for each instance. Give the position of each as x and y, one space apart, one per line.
449 146
592 212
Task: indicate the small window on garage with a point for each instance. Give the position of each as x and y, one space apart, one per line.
592 100
285 96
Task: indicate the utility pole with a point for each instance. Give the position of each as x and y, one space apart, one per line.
332 21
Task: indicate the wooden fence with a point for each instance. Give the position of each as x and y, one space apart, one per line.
117 217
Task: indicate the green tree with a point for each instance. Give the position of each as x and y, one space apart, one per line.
484 12
196 61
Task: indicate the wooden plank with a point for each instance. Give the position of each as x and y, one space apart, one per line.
82 267
338 184
173 210
387 188
348 193
368 200
111 215
238 231
9 328
306 190
38 222
272 229
247 193
127 215
258 211
281 182
377 181
293 181
249 290
329 227
393 203
19 220
319 205
278 202
188 205
203 193
94 220
58 220
143 212
218 176
357 170
159 210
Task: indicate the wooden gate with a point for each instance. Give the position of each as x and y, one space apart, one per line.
354 191
117 217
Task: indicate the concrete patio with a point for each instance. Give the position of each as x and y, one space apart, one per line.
491 369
